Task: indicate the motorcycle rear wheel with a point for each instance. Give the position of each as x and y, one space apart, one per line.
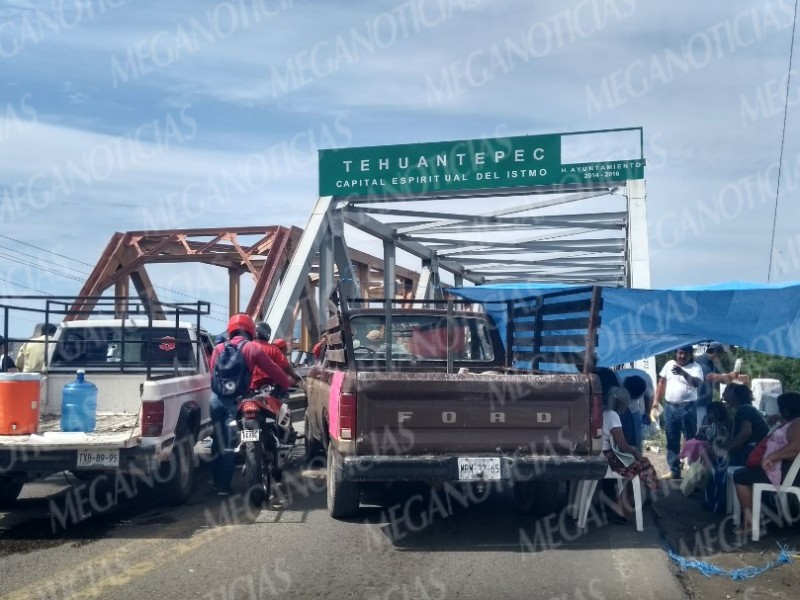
257 476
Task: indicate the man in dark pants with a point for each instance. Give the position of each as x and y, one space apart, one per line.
6 362
241 327
677 388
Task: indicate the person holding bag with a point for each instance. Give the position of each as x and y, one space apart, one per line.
781 447
622 457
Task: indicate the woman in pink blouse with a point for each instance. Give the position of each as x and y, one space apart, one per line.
783 446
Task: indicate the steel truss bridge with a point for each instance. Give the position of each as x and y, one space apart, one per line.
574 230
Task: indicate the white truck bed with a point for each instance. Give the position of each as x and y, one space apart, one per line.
112 431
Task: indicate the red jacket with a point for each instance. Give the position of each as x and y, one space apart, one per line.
278 357
256 358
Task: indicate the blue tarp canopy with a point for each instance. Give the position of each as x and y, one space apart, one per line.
637 324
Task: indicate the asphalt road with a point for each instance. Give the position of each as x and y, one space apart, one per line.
412 543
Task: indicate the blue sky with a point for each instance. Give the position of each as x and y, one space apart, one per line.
118 115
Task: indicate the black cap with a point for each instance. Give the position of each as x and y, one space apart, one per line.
716 347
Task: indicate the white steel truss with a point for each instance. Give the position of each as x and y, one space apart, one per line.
564 238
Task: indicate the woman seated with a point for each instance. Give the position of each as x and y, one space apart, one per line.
749 426
622 457
782 448
717 421
716 431
632 423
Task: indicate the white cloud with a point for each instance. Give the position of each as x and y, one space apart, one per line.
420 87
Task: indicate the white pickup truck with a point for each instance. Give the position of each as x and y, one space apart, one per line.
152 407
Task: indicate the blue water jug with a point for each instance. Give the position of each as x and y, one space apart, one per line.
79 405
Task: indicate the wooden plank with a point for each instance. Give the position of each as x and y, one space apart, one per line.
594 324
574 306
578 341
524 326
563 340
332 323
522 341
335 338
565 324
526 310
569 358
337 356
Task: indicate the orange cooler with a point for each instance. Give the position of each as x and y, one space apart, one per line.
19 403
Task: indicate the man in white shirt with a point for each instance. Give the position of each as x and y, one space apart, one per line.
677 387
30 358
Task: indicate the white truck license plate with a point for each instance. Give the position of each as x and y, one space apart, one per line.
98 458
249 435
478 469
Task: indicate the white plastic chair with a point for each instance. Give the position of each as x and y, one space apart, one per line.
733 499
787 487
582 492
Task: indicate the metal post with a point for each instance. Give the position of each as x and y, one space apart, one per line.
296 276
638 247
450 325
121 293
233 292
325 285
639 252
509 334
363 280
388 294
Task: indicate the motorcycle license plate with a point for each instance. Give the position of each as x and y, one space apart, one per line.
249 435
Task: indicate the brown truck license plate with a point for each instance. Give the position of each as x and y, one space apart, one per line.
478 469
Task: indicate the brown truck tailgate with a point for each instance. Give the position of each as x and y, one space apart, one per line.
437 413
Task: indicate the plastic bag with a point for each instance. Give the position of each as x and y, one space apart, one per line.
625 458
757 454
696 476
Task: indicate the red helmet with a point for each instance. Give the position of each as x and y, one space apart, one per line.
242 322
280 343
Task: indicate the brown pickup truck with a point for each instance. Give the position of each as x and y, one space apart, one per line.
441 398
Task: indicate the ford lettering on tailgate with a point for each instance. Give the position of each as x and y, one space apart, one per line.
451 416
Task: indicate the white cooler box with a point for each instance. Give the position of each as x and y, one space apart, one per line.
765 395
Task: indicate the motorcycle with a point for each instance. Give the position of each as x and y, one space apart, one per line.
266 439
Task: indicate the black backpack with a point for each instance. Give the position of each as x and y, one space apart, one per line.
231 377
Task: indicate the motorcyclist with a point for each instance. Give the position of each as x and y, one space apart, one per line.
260 379
240 327
276 353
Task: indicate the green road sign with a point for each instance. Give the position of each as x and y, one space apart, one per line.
438 168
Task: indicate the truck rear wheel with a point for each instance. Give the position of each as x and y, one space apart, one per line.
313 447
343 495
536 497
9 491
176 475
